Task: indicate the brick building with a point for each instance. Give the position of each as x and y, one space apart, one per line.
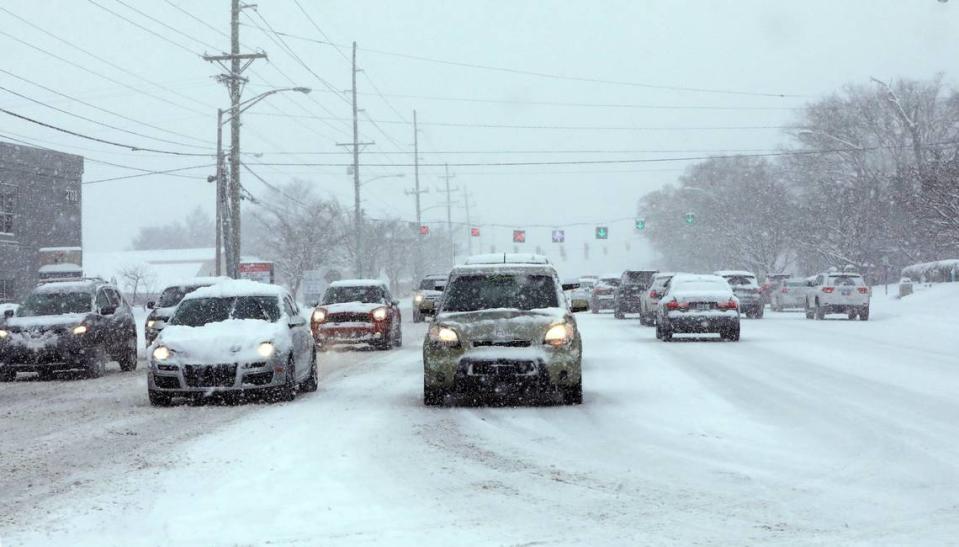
40 197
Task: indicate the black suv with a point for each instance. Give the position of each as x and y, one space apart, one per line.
629 294
67 325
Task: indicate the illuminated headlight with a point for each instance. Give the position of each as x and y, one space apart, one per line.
559 335
319 316
444 335
418 298
3 334
161 353
266 349
80 329
150 323
379 314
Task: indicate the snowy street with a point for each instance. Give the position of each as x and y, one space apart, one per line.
805 431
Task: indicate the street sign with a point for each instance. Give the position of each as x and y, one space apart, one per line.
559 236
424 230
257 271
519 236
690 218
475 232
640 223
602 232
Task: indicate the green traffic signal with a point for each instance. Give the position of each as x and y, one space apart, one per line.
640 223
602 232
690 218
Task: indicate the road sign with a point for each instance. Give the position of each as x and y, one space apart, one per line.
559 236
257 271
475 232
640 223
519 236
602 232
424 230
690 218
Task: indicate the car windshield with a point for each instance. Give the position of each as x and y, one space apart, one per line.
196 312
609 282
741 280
432 284
358 293
55 303
171 296
846 280
482 292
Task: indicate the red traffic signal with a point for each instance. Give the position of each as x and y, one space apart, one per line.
519 236
424 230
474 232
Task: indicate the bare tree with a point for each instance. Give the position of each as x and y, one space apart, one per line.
137 279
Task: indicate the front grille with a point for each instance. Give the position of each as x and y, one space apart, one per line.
259 378
167 382
501 343
209 375
348 317
502 367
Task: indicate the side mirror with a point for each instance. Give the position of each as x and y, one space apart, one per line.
297 321
7 314
395 302
653 294
108 310
579 306
151 304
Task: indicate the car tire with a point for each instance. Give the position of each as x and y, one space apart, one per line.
94 368
760 312
820 312
128 358
618 314
573 394
864 314
313 380
433 396
666 334
7 375
398 337
46 374
593 309
809 311
659 331
851 315
287 392
417 318
159 399
732 334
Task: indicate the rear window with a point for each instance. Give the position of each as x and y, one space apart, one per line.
483 292
797 283
846 281
700 285
609 282
638 278
741 280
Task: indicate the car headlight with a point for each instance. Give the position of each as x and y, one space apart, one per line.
319 315
379 314
150 323
3 334
266 349
444 336
559 335
161 353
418 298
79 329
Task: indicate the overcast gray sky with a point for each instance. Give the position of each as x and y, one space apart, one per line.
802 49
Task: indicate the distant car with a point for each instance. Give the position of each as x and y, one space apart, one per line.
8 306
603 296
357 311
71 325
773 283
162 309
232 337
789 294
427 296
838 292
629 294
649 304
746 289
503 328
698 304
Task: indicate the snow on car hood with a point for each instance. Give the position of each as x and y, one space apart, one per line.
351 307
231 341
503 323
45 320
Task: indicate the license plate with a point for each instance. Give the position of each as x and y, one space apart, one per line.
846 292
702 306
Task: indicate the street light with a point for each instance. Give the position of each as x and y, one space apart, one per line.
228 199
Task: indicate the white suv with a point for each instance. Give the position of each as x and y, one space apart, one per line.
838 292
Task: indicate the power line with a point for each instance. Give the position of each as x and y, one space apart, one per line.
96 139
559 76
168 27
147 173
145 29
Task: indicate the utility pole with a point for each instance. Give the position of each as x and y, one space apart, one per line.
469 220
220 194
449 213
357 210
234 79
416 192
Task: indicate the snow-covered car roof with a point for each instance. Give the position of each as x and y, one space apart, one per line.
692 278
501 267
435 276
729 273
506 258
358 283
236 287
68 286
660 275
198 281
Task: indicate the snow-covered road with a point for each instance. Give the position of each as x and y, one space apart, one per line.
806 431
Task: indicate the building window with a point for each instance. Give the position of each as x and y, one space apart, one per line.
8 207
7 289
73 195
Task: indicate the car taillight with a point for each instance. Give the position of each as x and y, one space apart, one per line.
653 294
863 290
676 305
728 305
784 290
827 290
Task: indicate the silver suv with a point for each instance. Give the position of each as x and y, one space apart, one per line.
838 292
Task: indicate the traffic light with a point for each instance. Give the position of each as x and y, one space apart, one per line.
640 224
475 232
519 236
690 218
424 230
602 232
559 236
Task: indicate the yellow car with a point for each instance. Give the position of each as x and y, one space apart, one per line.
426 298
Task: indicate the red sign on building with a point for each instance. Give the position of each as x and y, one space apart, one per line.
257 271
519 236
